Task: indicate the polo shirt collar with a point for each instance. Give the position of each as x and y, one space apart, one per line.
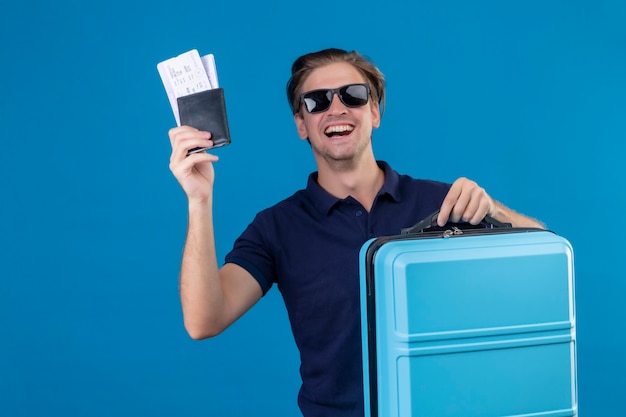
324 202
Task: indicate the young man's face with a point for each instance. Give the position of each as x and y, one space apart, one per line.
340 133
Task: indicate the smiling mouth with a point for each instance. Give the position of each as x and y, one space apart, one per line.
338 130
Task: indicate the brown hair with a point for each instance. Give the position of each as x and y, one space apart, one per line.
303 66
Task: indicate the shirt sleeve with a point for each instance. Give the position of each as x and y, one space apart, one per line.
252 251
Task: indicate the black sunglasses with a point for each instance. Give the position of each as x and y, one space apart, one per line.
352 95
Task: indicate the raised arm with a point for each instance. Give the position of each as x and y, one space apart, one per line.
467 201
211 298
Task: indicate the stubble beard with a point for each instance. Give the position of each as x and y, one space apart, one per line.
342 160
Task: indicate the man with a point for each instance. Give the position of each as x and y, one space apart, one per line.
308 244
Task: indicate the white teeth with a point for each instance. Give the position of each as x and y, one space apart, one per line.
338 129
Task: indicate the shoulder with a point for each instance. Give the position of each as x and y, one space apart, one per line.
405 184
283 211
425 184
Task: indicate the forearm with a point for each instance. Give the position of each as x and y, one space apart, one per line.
201 291
507 215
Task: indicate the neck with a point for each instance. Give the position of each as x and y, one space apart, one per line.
362 180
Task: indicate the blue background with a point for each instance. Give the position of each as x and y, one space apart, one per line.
527 98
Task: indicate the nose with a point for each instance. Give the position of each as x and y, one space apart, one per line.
336 106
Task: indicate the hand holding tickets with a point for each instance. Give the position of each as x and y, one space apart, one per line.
196 99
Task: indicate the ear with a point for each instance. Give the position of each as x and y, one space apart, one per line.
300 125
375 115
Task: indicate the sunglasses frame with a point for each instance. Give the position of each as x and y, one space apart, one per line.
334 91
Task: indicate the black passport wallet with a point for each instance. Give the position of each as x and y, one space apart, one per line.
206 111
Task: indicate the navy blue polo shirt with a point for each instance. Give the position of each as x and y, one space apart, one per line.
308 245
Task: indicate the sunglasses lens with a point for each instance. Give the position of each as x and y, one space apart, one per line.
354 95
316 101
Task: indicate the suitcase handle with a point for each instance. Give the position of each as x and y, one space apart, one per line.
430 223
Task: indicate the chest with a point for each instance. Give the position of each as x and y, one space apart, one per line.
319 254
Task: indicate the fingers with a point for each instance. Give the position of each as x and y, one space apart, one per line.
182 164
193 171
466 201
448 203
185 138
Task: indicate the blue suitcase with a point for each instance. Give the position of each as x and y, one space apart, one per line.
468 322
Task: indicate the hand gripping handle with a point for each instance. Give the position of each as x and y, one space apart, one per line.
430 223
